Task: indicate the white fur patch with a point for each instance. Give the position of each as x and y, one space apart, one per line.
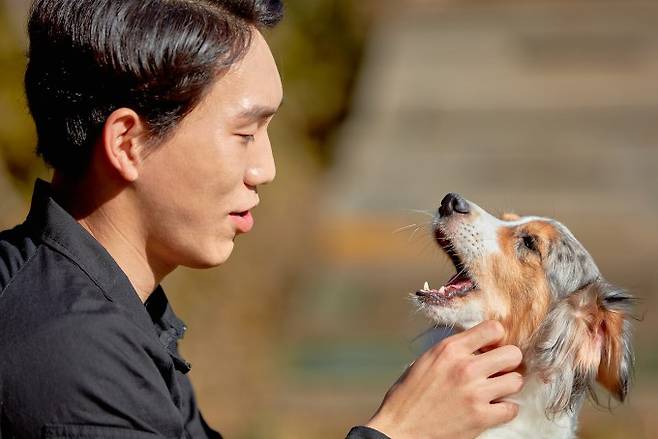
463 315
532 422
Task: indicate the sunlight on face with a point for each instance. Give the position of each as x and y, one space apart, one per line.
199 186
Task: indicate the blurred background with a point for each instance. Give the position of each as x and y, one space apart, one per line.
537 107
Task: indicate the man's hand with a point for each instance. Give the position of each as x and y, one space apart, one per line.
448 391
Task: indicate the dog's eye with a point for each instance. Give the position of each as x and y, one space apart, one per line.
530 242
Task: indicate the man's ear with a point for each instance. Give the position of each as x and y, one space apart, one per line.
585 338
123 142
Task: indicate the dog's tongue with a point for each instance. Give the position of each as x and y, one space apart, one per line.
458 282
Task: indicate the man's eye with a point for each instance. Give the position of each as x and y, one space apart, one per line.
247 137
530 243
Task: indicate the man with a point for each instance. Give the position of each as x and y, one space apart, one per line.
154 116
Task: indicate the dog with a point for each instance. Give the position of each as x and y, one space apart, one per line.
533 276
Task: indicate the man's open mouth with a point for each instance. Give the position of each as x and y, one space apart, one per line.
458 285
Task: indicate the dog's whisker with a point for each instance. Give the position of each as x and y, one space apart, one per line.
421 211
414 233
405 228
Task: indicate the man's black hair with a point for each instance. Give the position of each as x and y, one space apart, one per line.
87 58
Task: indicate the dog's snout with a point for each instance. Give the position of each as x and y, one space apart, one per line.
452 203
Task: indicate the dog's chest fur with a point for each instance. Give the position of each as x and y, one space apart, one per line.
532 422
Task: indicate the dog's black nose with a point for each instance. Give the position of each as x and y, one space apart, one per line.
453 203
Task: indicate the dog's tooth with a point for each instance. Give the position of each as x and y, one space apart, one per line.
442 290
426 287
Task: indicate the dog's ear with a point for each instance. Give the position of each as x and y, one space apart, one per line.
509 216
585 338
616 365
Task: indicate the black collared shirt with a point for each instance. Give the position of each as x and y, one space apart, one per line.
80 355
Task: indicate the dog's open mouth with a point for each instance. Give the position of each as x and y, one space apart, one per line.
458 285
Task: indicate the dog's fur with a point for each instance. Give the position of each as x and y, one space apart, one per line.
533 276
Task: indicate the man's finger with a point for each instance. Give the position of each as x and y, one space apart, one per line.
487 333
502 359
503 386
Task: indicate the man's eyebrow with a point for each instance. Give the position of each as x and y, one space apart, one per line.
258 112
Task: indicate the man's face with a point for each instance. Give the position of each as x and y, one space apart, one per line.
197 187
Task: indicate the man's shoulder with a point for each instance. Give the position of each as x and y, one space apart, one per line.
16 248
67 332
40 286
26 260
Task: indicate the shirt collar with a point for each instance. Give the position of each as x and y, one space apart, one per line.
169 327
58 229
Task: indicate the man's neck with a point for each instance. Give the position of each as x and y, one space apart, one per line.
111 218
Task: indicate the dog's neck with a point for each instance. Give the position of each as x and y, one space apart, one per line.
532 420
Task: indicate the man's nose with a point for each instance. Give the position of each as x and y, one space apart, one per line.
452 203
263 169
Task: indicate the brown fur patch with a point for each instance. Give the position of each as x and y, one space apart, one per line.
545 233
600 346
515 289
586 313
509 216
611 357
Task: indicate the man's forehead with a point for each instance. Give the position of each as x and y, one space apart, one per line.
251 89
243 95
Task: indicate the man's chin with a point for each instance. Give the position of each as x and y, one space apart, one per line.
211 257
